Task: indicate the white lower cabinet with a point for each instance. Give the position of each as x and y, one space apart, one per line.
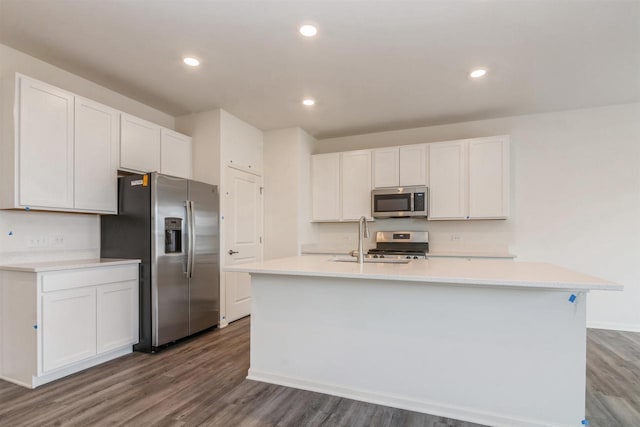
117 315
59 322
68 327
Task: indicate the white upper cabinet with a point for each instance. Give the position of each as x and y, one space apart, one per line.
469 179
61 152
65 151
356 185
489 178
44 146
175 154
325 181
96 152
386 167
447 180
139 145
413 164
341 186
400 166
147 147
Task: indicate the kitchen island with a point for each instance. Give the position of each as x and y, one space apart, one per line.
492 342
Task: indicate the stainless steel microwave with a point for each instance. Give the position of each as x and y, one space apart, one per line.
400 202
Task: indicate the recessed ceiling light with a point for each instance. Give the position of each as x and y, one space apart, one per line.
191 61
308 30
478 73
308 102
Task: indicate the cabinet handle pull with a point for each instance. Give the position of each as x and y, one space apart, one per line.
232 252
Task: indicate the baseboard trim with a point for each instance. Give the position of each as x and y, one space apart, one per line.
612 326
401 402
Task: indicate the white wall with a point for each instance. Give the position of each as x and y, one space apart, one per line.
575 198
287 199
80 233
306 231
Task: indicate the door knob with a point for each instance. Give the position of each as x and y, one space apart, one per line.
232 252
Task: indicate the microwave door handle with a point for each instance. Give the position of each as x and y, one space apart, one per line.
412 208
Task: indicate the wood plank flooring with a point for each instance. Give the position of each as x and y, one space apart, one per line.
201 382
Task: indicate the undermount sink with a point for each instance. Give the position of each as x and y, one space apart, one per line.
370 260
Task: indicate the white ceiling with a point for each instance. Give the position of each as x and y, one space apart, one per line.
375 65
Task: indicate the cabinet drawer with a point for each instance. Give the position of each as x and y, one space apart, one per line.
55 281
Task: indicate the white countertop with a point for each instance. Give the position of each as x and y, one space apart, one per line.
38 267
437 270
430 254
469 254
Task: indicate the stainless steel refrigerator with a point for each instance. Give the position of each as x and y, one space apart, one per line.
171 224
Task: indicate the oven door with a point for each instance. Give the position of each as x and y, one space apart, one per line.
385 204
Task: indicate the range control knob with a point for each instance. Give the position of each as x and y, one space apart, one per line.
408 257
375 256
381 256
415 257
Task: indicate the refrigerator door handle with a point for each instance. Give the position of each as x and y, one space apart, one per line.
187 272
192 221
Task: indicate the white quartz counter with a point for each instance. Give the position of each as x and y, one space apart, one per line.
430 254
500 273
38 267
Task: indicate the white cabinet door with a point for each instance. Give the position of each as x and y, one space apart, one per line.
68 327
386 167
96 146
139 145
489 177
175 154
413 165
117 316
447 180
45 135
356 184
325 182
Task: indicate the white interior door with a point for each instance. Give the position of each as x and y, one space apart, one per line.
243 235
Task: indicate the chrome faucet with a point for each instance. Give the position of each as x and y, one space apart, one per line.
363 232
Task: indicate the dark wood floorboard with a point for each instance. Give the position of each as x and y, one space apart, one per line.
201 382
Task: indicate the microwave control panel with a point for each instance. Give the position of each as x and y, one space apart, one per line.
418 202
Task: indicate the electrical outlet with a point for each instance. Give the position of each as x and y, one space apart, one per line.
456 238
56 240
37 242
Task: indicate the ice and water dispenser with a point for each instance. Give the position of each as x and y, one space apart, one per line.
172 235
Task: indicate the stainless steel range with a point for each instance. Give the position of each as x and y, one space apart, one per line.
400 245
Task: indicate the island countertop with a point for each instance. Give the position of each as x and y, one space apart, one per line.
455 271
